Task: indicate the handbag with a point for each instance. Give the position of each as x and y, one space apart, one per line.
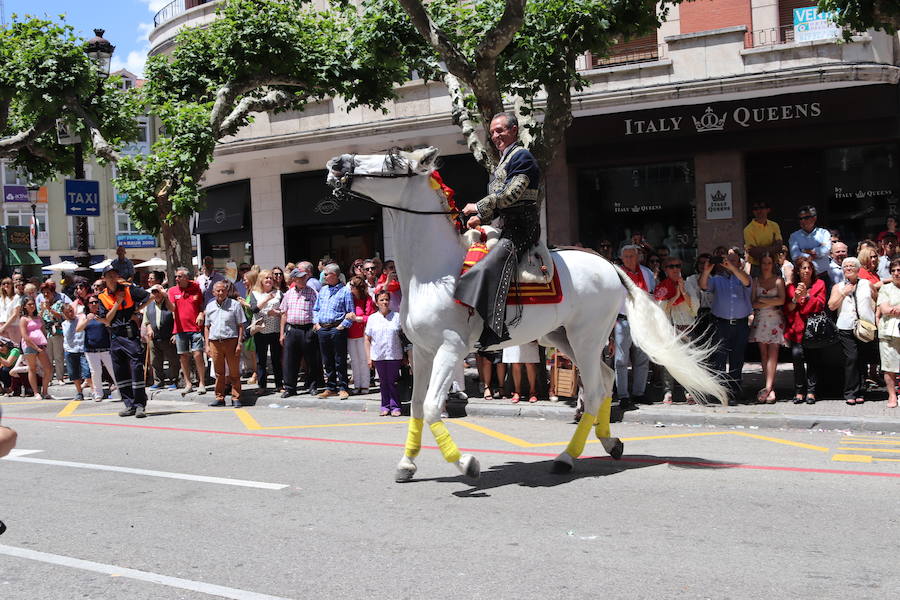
257 325
863 330
820 331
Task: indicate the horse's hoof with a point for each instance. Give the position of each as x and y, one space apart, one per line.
469 466
405 471
563 464
614 447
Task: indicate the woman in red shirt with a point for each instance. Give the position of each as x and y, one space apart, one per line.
356 344
805 296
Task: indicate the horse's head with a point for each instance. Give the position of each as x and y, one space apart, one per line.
378 178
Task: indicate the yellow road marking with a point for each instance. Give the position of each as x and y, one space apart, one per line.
495 434
675 435
393 422
27 402
247 419
780 441
891 450
69 408
857 458
876 458
870 442
150 412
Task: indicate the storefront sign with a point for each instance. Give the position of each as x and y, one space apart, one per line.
15 193
718 200
811 25
82 198
711 120
19 193
136 240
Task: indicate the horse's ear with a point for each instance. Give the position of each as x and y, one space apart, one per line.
428 157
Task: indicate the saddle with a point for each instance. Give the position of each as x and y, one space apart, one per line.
536 266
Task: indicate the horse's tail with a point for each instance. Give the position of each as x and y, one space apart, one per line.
686 361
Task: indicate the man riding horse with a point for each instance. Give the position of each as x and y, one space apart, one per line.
512 196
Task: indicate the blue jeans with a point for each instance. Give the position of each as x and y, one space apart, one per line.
732 342
626 353
333 346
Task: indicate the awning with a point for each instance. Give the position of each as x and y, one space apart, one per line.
19 257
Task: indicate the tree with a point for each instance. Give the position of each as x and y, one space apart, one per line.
45 75
498 52
859 15
256 56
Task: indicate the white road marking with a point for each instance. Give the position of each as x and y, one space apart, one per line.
17 456
114 571
22 452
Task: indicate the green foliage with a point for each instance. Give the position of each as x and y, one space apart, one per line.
252 48
542 54
44 75
859 15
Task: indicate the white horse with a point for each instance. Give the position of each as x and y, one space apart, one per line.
429 253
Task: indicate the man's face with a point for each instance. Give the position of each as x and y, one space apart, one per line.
120 252
662 253
181 279
630 259
502 134
734 258
331 278
220 292
369 271
889 246
298 282
111 278
208 263
839 252
760 212
807 222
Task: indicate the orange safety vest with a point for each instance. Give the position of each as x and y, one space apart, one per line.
109 300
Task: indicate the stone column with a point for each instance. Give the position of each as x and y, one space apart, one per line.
714 168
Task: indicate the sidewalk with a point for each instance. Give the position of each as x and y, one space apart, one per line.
828 413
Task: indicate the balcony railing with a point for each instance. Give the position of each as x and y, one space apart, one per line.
173 9
787 34
638 54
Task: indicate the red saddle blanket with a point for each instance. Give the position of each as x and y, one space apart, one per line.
519 293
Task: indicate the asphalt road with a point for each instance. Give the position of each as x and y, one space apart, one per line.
302 504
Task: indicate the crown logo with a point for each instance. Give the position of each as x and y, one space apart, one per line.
718 196
709 121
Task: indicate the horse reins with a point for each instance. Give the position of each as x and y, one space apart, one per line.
346 181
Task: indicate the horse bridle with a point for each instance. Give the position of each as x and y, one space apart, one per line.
344 187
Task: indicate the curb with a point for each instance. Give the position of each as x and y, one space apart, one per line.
648 415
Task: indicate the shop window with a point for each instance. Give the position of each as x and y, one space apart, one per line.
656 200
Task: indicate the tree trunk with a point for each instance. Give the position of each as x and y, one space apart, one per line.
176 241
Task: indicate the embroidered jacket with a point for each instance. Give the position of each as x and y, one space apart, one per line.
515 180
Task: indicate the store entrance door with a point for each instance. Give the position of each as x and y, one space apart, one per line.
343 243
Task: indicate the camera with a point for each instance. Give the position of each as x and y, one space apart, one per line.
716 260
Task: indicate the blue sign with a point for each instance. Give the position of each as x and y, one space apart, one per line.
15 193
82 198
136 240
811 25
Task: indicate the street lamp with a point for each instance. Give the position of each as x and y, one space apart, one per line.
32 199
100 51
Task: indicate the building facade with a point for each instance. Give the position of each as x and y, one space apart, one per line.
56 240
729 102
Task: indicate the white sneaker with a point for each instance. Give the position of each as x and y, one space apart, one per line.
201 389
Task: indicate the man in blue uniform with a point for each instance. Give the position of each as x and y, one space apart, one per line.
512 196
118 304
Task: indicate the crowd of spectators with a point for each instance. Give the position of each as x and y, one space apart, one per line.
295 329
804 293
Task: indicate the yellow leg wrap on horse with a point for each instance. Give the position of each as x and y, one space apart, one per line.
445 442
414 437
602 428
576 445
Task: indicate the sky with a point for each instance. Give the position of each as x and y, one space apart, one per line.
127 23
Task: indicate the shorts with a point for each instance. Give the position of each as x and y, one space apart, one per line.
77 366
526 353
189 341
29 350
